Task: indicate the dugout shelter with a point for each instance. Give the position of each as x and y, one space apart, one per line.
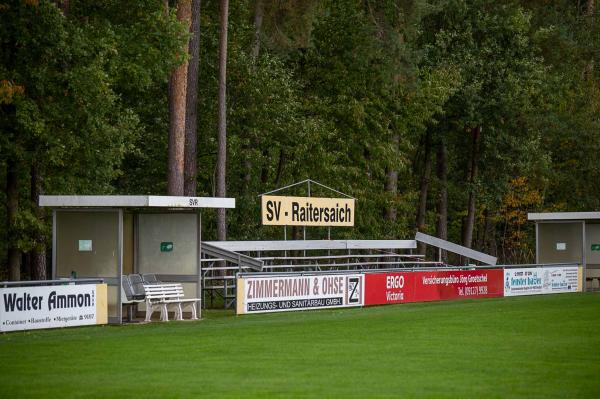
569 237
106 236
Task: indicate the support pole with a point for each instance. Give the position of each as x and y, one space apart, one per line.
583 257
199 290
120 267
54 247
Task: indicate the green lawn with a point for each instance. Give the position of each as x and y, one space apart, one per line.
543 346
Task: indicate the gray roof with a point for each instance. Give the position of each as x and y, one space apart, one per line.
564 216
134 201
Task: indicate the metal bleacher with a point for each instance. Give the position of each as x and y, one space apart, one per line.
221 260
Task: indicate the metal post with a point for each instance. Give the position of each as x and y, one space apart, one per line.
537 242
225 291
120 266
136 242
199 291
285 238
304 227
54 247
583 258
329 238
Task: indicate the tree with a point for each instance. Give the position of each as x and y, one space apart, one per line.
177 108
191 113
67 126
490 44
221 166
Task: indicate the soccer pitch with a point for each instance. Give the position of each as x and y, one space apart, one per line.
536 346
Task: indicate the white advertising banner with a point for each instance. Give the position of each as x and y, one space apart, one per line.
28 308
542 280
287 293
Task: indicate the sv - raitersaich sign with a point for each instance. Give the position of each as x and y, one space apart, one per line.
29 308
307 211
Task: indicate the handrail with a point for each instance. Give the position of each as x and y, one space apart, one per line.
50 282
403 270
341 257
310 245
457 249
347 264
532 265
231 256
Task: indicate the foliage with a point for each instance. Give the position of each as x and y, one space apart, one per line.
341 92
68 117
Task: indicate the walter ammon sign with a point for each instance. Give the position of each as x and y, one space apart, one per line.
28 308
307 211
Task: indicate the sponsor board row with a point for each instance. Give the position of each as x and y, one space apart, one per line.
30 308
26 308
301 292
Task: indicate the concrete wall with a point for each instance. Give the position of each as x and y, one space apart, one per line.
179 229
560 242
101 230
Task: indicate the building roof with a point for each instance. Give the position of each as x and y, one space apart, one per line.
564 216
134 201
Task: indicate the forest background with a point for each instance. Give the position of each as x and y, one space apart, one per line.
450 117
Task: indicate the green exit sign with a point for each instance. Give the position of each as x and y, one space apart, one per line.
595 247
166 246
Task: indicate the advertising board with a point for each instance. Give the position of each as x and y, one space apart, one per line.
401 287
29 308
300 292
542 280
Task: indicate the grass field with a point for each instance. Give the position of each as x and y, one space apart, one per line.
543 346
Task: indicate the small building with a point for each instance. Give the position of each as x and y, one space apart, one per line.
107 236
569 237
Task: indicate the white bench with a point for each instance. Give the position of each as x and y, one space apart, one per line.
162 295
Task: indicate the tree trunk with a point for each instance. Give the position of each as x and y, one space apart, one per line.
191 112
588 73
391 185
589 8
258 19
177 106
222 139
280 168
64 6
490 236
12 206
442 203
252 142
38 253
473 170
424 189
264 172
